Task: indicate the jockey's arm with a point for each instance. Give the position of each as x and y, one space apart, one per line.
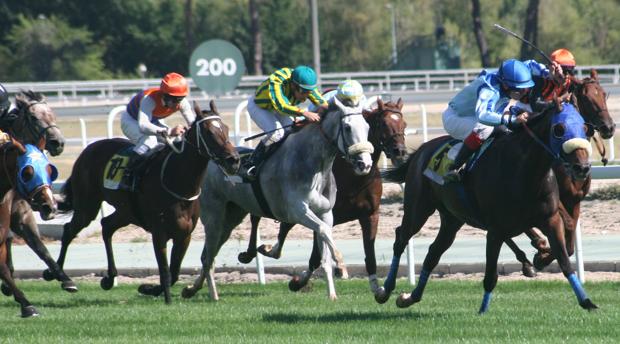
187 112
144 118
540 70
316 98
486 108
278 98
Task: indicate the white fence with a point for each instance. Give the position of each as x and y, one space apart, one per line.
378 81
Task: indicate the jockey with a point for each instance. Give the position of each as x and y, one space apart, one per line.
479 107
5 107
545 89
349 92
274 106
141 120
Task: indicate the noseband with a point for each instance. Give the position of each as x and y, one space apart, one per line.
352 149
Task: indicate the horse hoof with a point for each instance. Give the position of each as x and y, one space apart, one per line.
69 286
333 297
6 290
107 282
589 305
542 260
404 300
295 284
245 257
29 311
528 271
48 275
188 292
267 251
150 289
341 272
381 296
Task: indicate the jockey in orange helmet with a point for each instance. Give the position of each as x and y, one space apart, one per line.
545 89
141 122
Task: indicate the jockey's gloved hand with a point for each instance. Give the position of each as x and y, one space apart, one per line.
298 124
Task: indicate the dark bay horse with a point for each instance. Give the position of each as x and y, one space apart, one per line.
9 154
167 204
591 100
511 189
34 122
358 197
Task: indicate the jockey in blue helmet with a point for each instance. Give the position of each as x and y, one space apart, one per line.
479 107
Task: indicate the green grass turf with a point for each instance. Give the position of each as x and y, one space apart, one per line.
521 312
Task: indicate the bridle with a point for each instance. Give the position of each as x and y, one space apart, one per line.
31 121
383 141
352 149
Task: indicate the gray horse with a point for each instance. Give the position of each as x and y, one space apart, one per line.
297 184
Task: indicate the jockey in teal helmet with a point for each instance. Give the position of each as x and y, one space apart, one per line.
275 105
479 107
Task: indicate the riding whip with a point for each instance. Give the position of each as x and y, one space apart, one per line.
506 31
271 131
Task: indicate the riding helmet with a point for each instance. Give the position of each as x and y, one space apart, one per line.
305 77
515 74
174 84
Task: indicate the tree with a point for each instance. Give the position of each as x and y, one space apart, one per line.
257 38
480 39
531 30
49 49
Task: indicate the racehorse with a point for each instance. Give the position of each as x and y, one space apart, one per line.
167 204
358 197
297 187
10 153
511 189
591 100
34 122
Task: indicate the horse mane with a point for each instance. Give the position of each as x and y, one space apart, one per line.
25 97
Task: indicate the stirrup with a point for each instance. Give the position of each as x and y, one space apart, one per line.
453 175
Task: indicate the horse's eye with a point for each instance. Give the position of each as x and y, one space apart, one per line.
559 130
27 174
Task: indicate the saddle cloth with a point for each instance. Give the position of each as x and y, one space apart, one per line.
115 169
444 156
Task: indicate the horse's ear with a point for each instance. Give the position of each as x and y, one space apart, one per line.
212 105
197 109
380 104
558 103
594 74
400 103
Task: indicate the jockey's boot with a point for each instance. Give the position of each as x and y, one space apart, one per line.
249 169
454 170
131 175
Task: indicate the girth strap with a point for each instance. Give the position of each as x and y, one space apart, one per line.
260 197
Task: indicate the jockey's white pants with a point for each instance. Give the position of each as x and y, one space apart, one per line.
267 121
460 127
143 142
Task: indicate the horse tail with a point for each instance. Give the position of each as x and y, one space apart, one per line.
398 174
66 203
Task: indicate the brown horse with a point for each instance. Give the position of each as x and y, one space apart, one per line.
34 122
167 205
358 197
591 100
10 153
510 189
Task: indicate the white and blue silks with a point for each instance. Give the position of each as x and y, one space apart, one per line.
38 161
480 105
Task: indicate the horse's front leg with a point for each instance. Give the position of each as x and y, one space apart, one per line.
526 266
553 228
369 227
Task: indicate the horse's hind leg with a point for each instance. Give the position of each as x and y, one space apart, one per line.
82 216
369 233
246 257
109 225
447 232
167 276
494 245
526 266
9 263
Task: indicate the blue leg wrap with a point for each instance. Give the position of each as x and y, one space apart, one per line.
577 288
486 301
419 289
390 281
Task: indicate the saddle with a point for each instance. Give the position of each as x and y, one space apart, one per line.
440 162
115 168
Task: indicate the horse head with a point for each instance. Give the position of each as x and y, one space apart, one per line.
211 136
34 181
346 128
592 102
568 140
35 123
387 129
